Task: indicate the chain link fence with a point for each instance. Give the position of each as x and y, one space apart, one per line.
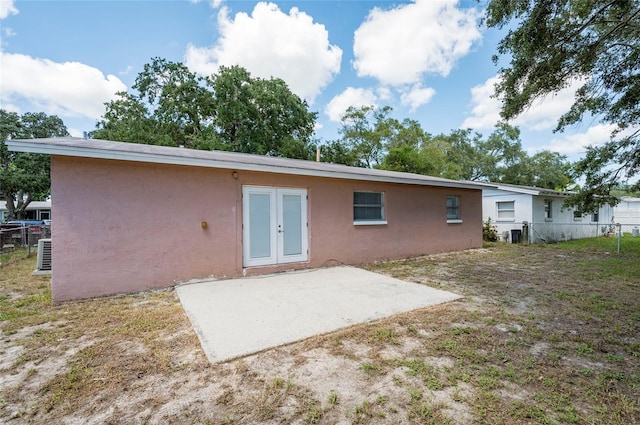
549 232
15 235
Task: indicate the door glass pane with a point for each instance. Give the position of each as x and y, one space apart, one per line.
292 224
259 225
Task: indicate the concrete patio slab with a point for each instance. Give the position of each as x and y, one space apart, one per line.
237 317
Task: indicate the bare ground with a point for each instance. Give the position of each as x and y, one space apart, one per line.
543 335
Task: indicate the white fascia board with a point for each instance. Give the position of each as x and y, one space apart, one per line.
518 190
124 155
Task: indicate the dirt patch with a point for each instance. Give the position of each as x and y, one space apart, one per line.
540 337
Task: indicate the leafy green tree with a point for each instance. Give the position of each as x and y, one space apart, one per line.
594 43
255 115
499 158
229 110
367 131
24 177
546 169
462 156
501 155
336 152
412 150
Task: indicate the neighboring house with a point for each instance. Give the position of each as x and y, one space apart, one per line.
510 207
36 210
131 217
627 213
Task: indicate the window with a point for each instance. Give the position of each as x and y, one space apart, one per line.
595 217
368 208
453 208
506 210
577 215
548 216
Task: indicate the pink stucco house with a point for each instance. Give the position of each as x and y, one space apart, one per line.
130 217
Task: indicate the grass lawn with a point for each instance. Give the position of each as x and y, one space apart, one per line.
545 334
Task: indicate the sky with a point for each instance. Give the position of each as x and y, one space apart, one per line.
430 60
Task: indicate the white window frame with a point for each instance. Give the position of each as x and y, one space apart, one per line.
577 215
512 210
595 217
458 218
365 222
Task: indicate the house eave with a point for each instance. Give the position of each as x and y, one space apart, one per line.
122 151
532 190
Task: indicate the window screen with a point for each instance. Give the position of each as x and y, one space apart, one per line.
453 208
368 206
506 210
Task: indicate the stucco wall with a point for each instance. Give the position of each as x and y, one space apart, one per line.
126 226
522 210
530 208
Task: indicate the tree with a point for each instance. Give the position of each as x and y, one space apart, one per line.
412 150
462 156
24 177
501 155
593 43
229 110
546 169
499 158
366 131
336 152
255 115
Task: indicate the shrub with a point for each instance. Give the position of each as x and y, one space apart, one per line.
489 231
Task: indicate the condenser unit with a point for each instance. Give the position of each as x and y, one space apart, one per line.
44 255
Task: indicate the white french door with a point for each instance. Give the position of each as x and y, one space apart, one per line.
274 227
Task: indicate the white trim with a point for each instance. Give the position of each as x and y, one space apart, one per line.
457 221
276 221
369 223
512 210
104 149
304 237
248 261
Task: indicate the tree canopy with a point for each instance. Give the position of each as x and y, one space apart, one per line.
24 177
372 138
592 43
229 110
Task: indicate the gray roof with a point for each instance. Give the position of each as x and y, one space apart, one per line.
531 190
105 149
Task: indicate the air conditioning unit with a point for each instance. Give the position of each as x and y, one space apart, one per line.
44 255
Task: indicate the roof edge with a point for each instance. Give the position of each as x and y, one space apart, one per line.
74 147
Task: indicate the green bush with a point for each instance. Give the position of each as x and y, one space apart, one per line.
489 231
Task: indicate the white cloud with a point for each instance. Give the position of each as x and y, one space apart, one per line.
384 93
126 71
485 112
417 96
336 108
400 45
213 3
70 89
272 43
578 142
542 115
74 132
7 8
